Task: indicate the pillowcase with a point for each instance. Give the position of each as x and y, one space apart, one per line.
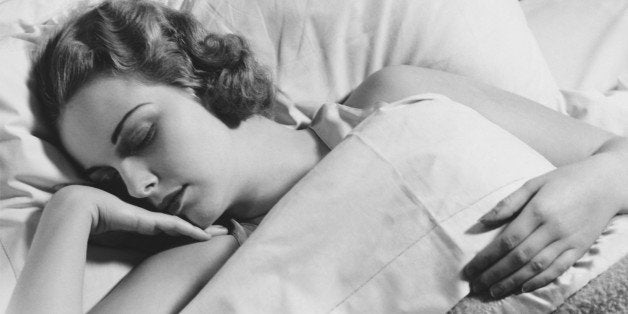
320 54
583 41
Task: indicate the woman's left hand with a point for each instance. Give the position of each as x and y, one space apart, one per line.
559 216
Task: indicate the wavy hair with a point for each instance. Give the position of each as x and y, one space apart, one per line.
158 44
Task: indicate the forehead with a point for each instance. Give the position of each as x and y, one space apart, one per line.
102 98
91 115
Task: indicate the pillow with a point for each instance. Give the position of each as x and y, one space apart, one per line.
316 53
386 221
18 17
583 41
320 54
606 111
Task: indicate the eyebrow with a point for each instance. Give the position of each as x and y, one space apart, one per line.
116 131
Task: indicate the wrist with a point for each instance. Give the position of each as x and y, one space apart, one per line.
615 156
71 205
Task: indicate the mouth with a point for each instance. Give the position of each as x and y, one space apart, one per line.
173 203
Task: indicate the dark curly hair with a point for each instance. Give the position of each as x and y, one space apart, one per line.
158 44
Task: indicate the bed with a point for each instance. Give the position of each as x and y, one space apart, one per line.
567 55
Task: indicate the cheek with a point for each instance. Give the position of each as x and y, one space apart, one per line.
194 148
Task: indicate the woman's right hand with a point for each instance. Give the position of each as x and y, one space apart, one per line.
109 213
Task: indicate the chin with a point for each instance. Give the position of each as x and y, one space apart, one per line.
201 217
202 211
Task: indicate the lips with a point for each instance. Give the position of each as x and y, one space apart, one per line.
172 203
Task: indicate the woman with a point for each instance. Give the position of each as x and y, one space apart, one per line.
141 92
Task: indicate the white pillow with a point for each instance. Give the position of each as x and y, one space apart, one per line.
583 41
321 50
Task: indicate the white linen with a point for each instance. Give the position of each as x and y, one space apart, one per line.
320 54
386 221
607 111
584 43
315 53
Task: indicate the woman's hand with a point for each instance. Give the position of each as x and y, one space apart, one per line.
52 278
559 216
109 213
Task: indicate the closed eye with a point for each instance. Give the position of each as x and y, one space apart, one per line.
138 140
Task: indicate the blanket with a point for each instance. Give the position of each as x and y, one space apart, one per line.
403 191
315 54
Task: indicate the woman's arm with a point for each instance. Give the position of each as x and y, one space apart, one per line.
560 139
558 215
52 278
167 281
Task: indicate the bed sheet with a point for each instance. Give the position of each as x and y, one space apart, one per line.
323 57
584 43
405 190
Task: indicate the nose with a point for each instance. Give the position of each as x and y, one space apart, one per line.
139 180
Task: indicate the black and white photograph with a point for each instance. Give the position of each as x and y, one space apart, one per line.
313 156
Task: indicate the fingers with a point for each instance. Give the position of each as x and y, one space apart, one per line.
557 268
533 267
511 263
155 222
216 230
123 216
512 204
511 237
177 226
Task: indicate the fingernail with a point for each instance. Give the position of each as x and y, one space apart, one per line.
488 215
496 292
203 237
216 228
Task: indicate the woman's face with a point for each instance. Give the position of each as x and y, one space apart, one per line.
163 144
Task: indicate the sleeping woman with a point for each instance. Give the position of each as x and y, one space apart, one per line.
140 95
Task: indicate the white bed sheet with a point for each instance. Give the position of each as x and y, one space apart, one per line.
315 53
20 21
386 221
584 43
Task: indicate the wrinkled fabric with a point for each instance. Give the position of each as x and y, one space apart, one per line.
314 53
386 221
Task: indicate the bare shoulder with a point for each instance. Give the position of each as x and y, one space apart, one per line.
559 138
396 82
